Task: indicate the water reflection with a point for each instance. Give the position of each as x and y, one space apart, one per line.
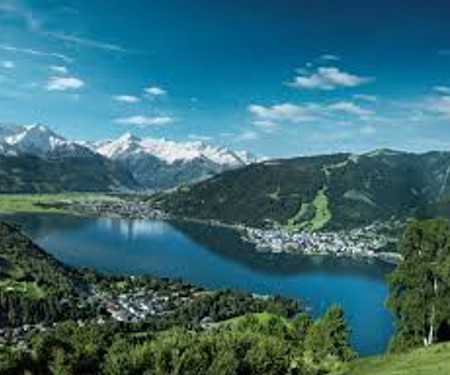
217 258
227 243
132 229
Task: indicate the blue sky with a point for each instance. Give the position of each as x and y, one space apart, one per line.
279 78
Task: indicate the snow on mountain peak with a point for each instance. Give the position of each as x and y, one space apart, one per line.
153 163
170 152
36 140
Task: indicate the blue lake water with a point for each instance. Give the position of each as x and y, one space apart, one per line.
216 258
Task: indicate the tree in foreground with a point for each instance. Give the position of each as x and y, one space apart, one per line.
420 285
329 336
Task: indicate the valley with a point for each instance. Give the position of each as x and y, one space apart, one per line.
312 230
224 187
377 240
216 258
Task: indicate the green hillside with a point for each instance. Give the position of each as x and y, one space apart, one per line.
30 174
32 283
331 192
434 360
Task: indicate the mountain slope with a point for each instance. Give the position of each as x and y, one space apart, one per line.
434 360
33 285
38 140
334 191
35 159
31 174
160 163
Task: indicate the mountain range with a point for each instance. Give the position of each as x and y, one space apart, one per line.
161 163
214 183
35 159
333 192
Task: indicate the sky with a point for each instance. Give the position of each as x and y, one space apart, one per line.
279 78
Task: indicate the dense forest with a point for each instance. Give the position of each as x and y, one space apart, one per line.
254 344
349 190
34 287
33 174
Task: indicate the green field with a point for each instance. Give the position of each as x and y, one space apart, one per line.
311 216
434 360
262 318
31 289
323 214
10 203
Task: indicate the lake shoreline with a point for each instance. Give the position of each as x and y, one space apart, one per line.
276 240
217 258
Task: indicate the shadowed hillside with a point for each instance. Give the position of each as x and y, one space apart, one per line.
31 174
332 192
33 285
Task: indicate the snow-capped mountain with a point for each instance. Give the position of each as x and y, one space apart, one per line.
37 140
172 152
33 159
160 163
151 163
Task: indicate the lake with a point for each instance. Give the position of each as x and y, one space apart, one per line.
215 257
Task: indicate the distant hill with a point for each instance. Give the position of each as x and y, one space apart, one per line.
321 192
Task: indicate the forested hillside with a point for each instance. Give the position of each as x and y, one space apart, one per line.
32 174
332 192
34 287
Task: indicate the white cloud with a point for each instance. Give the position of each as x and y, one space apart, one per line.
64 84
329 57
327 78
350 108
283 112
59 69
442 89
126 98
440 105
85 42
268 117
35 52
7 64
366 97
155 91
145 121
